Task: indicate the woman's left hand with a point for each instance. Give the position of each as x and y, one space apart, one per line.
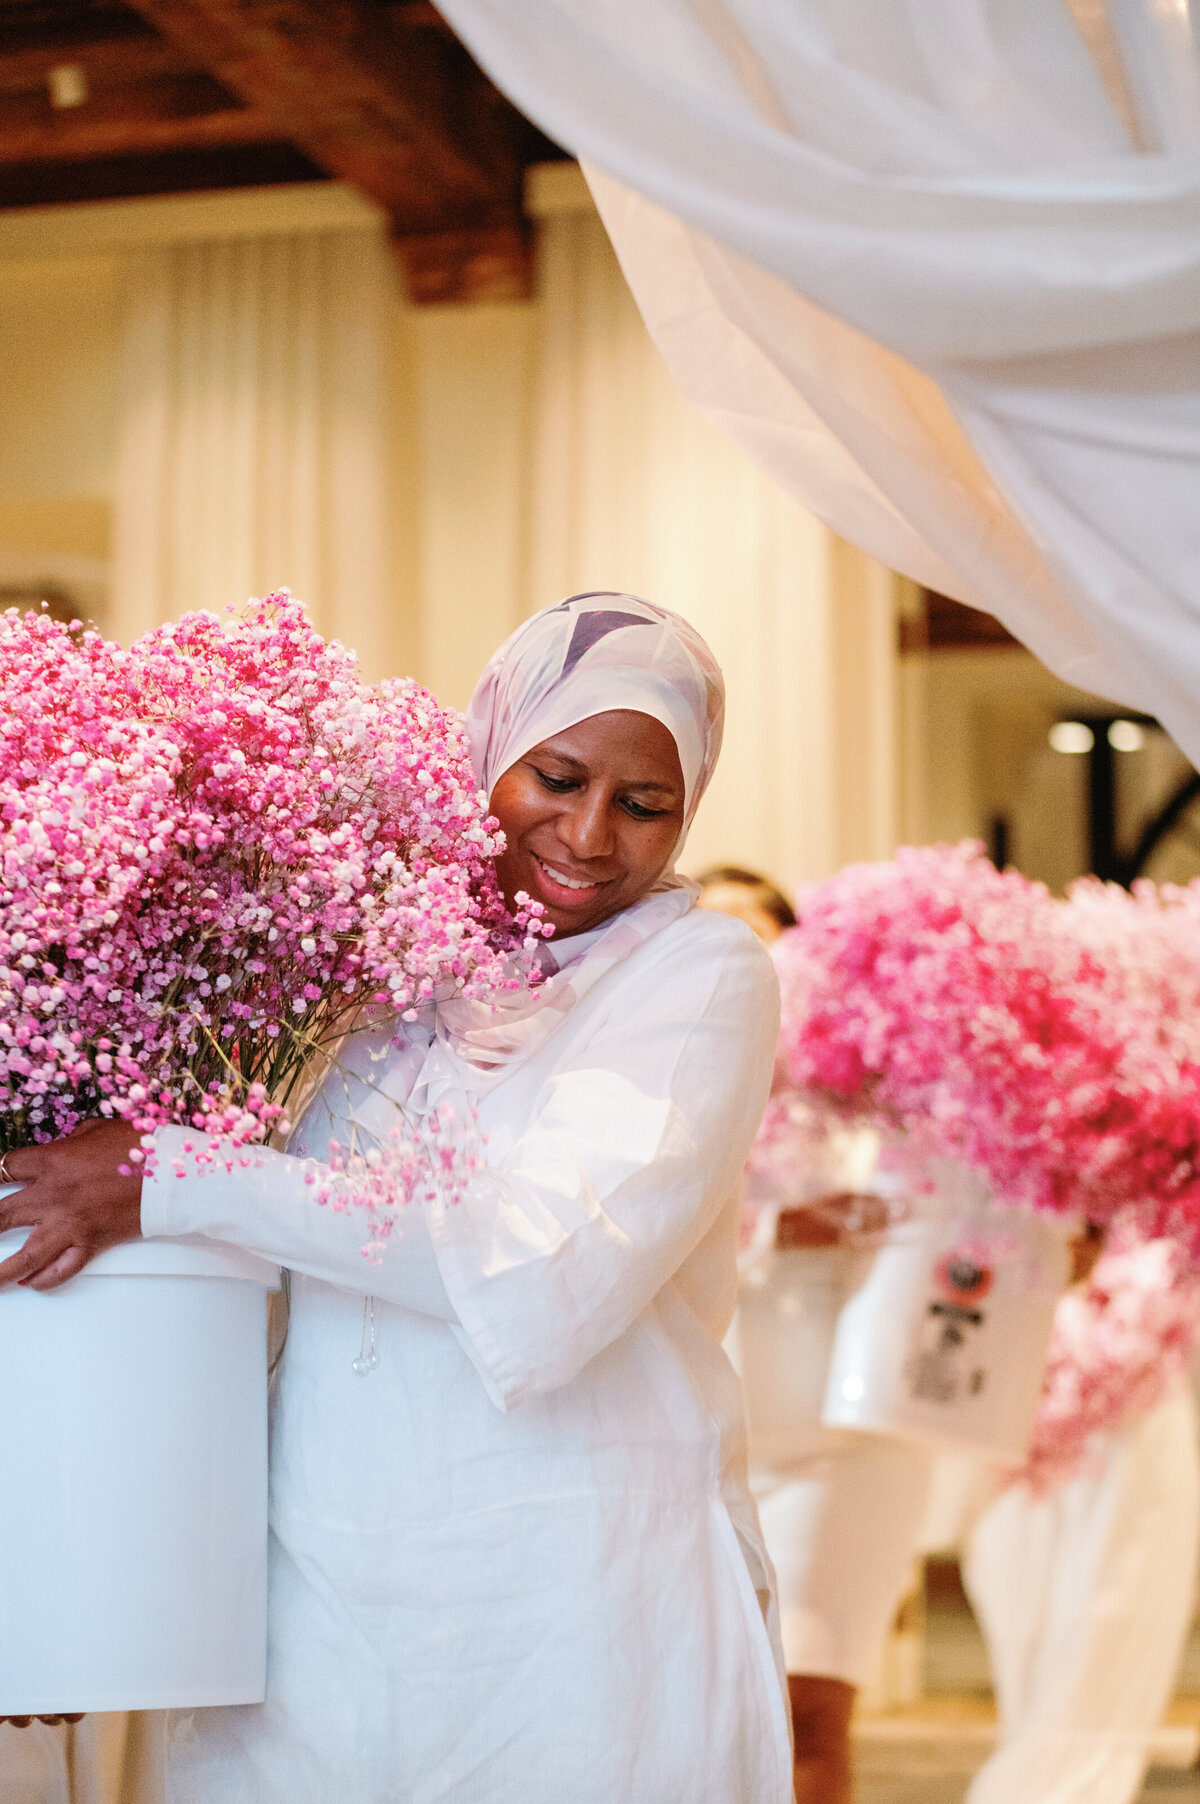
74 1198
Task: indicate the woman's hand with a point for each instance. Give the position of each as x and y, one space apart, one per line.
74 1198
829 1221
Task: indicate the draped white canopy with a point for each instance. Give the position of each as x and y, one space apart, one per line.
936 263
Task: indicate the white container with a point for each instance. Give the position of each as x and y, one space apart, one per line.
133 1482
944 1333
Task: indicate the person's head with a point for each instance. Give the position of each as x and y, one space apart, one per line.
595 729
730 890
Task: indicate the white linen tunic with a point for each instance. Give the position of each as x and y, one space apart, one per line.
518 1562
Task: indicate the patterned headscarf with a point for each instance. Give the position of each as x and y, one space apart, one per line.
590 655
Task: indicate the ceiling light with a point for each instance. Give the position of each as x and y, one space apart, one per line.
1071 736
68 84
1126 736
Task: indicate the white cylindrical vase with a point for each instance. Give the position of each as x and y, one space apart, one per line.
944 1332
133 1482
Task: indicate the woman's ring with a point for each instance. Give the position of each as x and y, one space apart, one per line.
6 1176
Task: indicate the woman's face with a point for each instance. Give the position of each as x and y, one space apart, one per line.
591 818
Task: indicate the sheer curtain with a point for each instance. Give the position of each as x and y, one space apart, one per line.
936 263
253 444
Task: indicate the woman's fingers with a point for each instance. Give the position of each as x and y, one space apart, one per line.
14 1209
67 1265
76 1201
44 1246
25 1163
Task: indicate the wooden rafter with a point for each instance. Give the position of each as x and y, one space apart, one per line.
364 94
78 135
191 93
48 183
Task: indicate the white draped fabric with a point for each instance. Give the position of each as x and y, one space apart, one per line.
936 263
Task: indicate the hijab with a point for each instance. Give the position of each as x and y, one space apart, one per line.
590 654
593 654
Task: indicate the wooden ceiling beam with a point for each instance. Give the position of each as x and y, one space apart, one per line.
79 134
59 182
61 29
466 263
366 95
111 61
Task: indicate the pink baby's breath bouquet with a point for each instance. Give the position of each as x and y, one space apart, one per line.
1119 1341
1021 1034
219 848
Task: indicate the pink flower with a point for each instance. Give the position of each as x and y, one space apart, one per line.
216 849
1055 1045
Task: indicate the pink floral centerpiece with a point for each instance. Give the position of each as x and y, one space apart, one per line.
1050 1048
1028 1037
218 848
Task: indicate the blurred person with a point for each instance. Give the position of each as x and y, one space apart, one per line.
730 890
1085 1592
841 1511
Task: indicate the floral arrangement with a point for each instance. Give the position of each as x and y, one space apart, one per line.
1118 1342
1054 1046
217 849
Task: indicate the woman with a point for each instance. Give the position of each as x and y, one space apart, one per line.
513 1554
841 1512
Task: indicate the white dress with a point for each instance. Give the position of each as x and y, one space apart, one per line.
518 1563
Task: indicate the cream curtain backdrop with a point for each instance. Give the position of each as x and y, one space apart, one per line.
253 431
936 263
523 452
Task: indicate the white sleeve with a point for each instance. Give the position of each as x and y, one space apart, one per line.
268 1207
638 1144
561 1243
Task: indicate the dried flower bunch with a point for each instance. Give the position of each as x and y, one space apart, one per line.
217 849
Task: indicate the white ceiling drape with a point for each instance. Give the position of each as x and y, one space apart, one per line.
936 264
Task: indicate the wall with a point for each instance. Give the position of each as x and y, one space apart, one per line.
975 730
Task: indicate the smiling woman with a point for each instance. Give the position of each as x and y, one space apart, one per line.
513 1554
